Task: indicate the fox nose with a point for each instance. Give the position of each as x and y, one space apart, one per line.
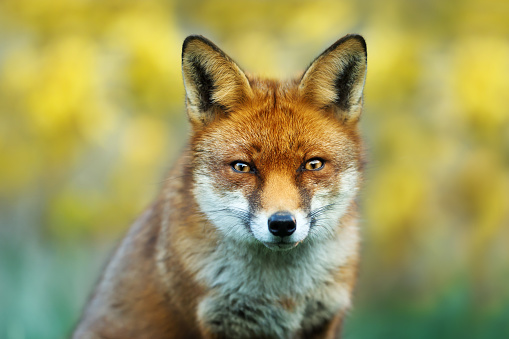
282 224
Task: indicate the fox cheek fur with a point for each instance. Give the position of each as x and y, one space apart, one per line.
255 233
274 128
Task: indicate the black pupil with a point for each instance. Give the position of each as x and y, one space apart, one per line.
241 167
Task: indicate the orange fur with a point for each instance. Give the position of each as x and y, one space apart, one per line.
167 278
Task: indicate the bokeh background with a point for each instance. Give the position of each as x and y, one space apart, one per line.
91 117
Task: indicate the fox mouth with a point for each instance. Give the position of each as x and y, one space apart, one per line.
281 245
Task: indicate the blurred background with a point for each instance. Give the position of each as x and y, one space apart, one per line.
91 117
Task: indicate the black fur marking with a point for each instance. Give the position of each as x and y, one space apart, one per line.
345 82
347 37
203 80
246 312
204 84
216 323
255 197
357 37
239 313
204 40
305 194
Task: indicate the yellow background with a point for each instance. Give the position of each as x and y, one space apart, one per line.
91 117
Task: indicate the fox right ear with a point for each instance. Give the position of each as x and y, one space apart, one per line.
335 80
213 82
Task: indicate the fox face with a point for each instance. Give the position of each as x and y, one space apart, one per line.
257 235
275 163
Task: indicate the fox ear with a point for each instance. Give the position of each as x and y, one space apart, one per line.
336 78
213 82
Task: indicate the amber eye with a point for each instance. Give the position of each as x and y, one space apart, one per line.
314 164
242 167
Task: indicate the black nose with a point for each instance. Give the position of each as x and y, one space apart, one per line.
282 224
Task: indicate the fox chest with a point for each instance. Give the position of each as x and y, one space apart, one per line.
240 315
271 294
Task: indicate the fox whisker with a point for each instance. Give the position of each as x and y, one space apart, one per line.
319 211
233 246
241 214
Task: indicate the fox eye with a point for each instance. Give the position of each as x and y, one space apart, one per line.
314 164
239 166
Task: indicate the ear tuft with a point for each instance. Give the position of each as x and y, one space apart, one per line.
213 82
336 77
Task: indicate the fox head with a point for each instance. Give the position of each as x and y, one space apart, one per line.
276 163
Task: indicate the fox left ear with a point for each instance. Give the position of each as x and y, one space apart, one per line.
336 78
213 82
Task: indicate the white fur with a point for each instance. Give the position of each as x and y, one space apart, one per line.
220 208
349 183
249 280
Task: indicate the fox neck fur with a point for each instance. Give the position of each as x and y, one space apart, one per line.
254 234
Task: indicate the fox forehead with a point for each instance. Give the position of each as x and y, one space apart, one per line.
277 125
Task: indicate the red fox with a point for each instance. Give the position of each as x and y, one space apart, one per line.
254 234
